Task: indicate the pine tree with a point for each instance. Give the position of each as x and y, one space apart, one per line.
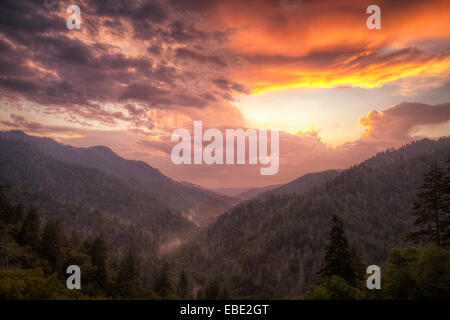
338 256
52 245
29 233
200 294
18 214
163 285
5 207
431 208
213 290
446 220
128 277
98 257
184 287
225 294
358 266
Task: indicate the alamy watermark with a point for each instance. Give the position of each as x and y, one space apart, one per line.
74 280
74 20
213 153
374 20
374 280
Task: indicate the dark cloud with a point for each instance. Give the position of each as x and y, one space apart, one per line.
165 73
200 58
19 122
145 93
24 86
138 11
45 63
133 110
183 32
191 101
155 49
21 18
228 85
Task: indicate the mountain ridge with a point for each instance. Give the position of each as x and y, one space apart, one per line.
272 245
199 206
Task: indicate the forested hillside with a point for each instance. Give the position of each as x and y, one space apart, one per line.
86 199
272 246
304 183
34 256
200 206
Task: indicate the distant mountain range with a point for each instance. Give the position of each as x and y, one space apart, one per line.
200 206
272 246
95 190
275 233
299 186
245 193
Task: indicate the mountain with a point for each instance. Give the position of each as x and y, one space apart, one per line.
272 246
231 192
197 205
86 199
253 192
244 193
213 193
297 186
304 183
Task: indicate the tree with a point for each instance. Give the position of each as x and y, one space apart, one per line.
358 266
98 257
184 286
52 245
338 256
213 290
200 294
29 233
446 220
431 209
128 277
418 273
163 285
333 288
33 284
225 294
18 214
5 207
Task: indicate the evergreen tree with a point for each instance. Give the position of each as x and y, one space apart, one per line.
417 273
358 266
128 277
431 208
52 245
446 220
5 207
18 214
225 294
29 233
213 290
338 256
98 257
184 287
200 294
163 285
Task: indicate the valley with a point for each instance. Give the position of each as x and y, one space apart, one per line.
267 244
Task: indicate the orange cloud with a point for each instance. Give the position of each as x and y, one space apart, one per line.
326 43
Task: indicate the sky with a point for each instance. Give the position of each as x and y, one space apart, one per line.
337 91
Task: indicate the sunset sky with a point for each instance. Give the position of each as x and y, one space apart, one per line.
137 70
